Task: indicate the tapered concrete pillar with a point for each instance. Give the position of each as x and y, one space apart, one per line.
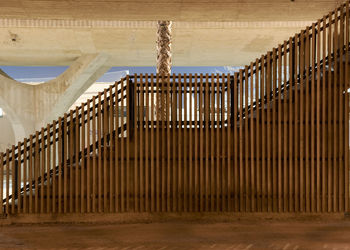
29 107
163 61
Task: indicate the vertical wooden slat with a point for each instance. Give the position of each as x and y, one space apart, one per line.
179 149
42 169
129 135
241 162
55 133
157 153
130 87
229 138
117 140
36 174
83 164
13 176
279 129
341 104
301 124
19 178
274 100
88 157
60 166
71 145
153 177
323 118
263 136
318 113
2 169
141 148
296 121
218 179
76 154
48 168
190 142
212 143
180 163
122 145
335 118
307 125
257 134
94 177
8 179
223 136
104 150
146 102
285 130
185 145
206 141
196 172
246 141
165 187
136 143
171 171
201 142
290 127
253 161
329 116
346 122
13 182
99 156
268 132
25 179
236 138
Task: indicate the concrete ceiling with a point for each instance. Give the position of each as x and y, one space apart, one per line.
193 44
176 10
205 32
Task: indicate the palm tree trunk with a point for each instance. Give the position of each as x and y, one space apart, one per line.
163 62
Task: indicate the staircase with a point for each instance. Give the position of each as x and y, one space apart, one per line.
273 137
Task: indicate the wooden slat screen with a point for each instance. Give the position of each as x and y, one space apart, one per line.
273 137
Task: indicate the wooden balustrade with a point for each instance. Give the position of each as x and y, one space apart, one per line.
273 137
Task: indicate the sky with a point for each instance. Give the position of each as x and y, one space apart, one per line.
45 73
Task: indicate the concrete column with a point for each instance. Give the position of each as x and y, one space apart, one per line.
29 107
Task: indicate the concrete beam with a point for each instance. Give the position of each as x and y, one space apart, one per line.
29 107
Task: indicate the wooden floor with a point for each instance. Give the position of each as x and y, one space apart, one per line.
243 234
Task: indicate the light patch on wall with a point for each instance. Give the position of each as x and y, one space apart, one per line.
1 113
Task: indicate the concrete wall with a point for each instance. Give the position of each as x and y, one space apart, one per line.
7 136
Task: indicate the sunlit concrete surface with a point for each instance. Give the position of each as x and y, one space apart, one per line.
29 107
244 234
194 10
133 43
205 33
